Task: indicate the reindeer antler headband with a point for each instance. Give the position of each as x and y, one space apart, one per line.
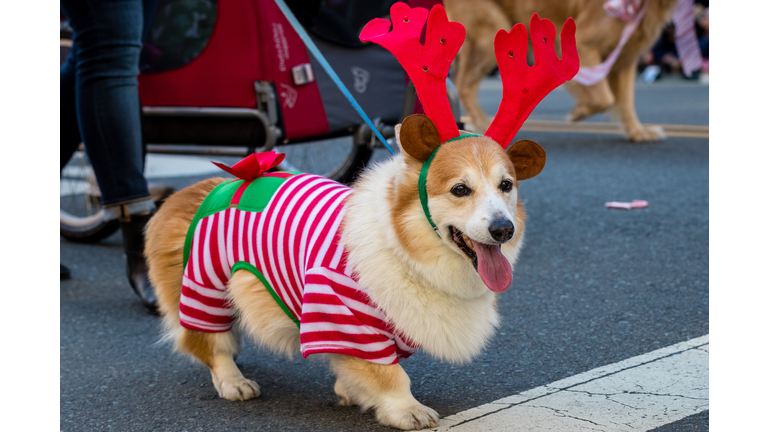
427 65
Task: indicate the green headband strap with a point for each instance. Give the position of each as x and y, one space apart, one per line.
423 180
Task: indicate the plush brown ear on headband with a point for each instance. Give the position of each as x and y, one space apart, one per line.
528 158
419 136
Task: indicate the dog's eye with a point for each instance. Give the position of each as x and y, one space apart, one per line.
506 185
460 190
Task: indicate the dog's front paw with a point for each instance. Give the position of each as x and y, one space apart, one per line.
412 417
238 389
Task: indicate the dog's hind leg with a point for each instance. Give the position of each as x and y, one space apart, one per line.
622 82
590 100
218 352
385 388
165 237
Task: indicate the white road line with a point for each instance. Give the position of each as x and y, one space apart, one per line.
637 394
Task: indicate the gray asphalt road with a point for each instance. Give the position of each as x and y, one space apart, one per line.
592 287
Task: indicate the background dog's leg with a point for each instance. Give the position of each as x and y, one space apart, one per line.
217 351
476 58
474 62
590 100
386 388
622 82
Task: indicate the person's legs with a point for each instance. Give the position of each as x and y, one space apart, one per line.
70 132
107 43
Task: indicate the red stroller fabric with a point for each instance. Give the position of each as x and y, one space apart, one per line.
251 41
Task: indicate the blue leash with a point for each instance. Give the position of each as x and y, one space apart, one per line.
319 56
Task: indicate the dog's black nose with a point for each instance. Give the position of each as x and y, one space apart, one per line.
501 229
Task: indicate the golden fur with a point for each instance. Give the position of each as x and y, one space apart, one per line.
371 385
424 284
597 34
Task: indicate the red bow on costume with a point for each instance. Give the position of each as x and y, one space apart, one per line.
255 165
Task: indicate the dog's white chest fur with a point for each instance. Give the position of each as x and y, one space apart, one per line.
443 306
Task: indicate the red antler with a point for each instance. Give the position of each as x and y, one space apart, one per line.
427 65
524 86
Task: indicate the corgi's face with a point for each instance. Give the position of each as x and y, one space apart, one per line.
472 191
472 188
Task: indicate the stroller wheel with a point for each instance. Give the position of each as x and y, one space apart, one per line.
82 219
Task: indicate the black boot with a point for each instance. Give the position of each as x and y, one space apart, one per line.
133 242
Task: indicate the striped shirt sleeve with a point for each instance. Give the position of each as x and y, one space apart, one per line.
338 317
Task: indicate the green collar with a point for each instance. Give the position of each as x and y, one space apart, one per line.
423 181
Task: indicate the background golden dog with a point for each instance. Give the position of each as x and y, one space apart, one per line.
597 36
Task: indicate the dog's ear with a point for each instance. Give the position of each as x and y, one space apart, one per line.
528 158
417 136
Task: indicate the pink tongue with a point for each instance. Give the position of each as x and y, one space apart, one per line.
494 269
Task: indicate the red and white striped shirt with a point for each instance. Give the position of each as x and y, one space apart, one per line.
293 247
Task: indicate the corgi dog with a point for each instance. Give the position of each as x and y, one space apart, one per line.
437 291
411 256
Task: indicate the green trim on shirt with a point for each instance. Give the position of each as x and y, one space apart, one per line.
217 200
256 197
242 265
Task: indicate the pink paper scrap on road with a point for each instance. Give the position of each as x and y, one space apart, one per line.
626 205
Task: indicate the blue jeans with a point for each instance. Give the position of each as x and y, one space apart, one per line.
99 93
